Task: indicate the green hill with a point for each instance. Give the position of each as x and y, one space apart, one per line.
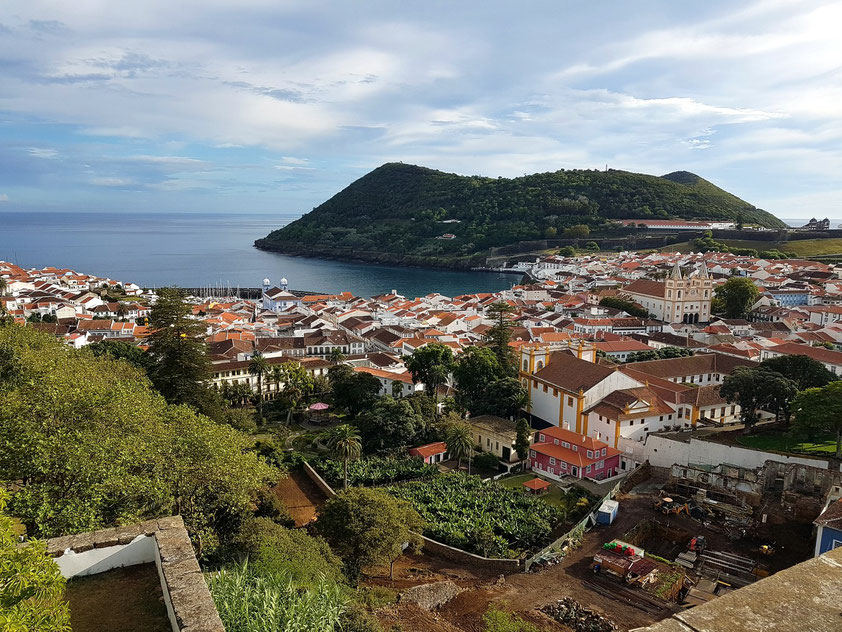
397 212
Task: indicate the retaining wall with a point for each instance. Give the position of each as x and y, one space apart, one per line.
326 489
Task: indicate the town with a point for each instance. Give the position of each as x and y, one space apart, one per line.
644 432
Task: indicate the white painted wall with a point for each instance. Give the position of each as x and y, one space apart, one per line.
662 451
141 550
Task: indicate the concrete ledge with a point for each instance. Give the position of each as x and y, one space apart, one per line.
164 542
327 490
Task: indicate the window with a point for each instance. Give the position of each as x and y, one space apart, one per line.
542 437
552 461
588 470
575 449
487 442
555 392
564 444
662 418
532 453
600 465
680 413
603 451
569 401
555 441
563 465
590 454
545 388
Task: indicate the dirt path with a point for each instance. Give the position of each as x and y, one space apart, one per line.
301 497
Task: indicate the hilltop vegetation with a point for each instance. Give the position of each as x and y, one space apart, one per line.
400 212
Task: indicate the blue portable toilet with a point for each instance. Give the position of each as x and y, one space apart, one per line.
607 512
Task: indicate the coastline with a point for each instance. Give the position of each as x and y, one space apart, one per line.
382 259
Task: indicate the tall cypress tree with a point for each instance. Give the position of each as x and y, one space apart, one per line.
180 367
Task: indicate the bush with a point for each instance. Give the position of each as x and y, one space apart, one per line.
357 619
487 461
374 597
270 505
305 559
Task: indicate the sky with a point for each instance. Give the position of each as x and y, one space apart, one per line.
272 106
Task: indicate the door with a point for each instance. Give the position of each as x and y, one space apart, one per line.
507 453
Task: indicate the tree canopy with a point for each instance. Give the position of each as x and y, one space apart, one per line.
819 410
803 370
368 526
756 389
737 296
430 365
93 445
352 390
392 423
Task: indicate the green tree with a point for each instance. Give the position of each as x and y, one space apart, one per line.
31 585
180 368
335 356
579 231
505 397
367 527
756 389
344 444
273 548
460 442
567 251
499 335
352 390
476 368
93 446
431 365
296 384
523 439
119 349
390 424
737 296
803 370
258 365
819 410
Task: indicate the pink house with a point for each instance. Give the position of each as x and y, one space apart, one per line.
431 452
558 452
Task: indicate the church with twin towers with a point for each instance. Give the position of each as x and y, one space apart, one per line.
677 299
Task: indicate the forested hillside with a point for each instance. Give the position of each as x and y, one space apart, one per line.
401 212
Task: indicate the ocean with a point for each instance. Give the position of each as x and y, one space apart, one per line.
200 250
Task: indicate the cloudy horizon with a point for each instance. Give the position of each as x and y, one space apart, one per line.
274 106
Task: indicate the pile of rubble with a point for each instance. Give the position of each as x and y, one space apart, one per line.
431 596
572 614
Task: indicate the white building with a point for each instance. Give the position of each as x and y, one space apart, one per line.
678 299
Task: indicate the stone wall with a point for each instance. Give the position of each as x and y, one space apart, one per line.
327 490
188 600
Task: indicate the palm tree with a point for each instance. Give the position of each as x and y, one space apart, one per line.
336 356
459 442
345 444
258 365
122 310
275 375
4 285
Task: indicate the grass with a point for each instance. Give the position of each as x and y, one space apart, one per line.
781 442
554 496
801 247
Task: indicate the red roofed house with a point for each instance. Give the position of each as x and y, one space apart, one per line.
558 452
431 452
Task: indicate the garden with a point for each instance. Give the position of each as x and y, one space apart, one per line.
375 470
484 518
782 442
574 503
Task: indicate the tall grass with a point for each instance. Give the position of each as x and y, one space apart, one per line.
248 601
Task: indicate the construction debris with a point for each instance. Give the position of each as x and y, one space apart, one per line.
580 619
431 596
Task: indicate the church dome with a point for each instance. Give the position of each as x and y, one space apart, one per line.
283 281
267 282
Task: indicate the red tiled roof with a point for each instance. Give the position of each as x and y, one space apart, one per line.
430 449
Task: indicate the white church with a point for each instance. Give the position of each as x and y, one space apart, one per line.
679 299
278 299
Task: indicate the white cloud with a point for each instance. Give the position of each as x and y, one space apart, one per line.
111 182
4 197
41 152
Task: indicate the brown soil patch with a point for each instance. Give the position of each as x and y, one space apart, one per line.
301 497
121 600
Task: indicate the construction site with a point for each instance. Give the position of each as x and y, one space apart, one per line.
681 538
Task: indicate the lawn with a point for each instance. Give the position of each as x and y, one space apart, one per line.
780 442
801 247
568 502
